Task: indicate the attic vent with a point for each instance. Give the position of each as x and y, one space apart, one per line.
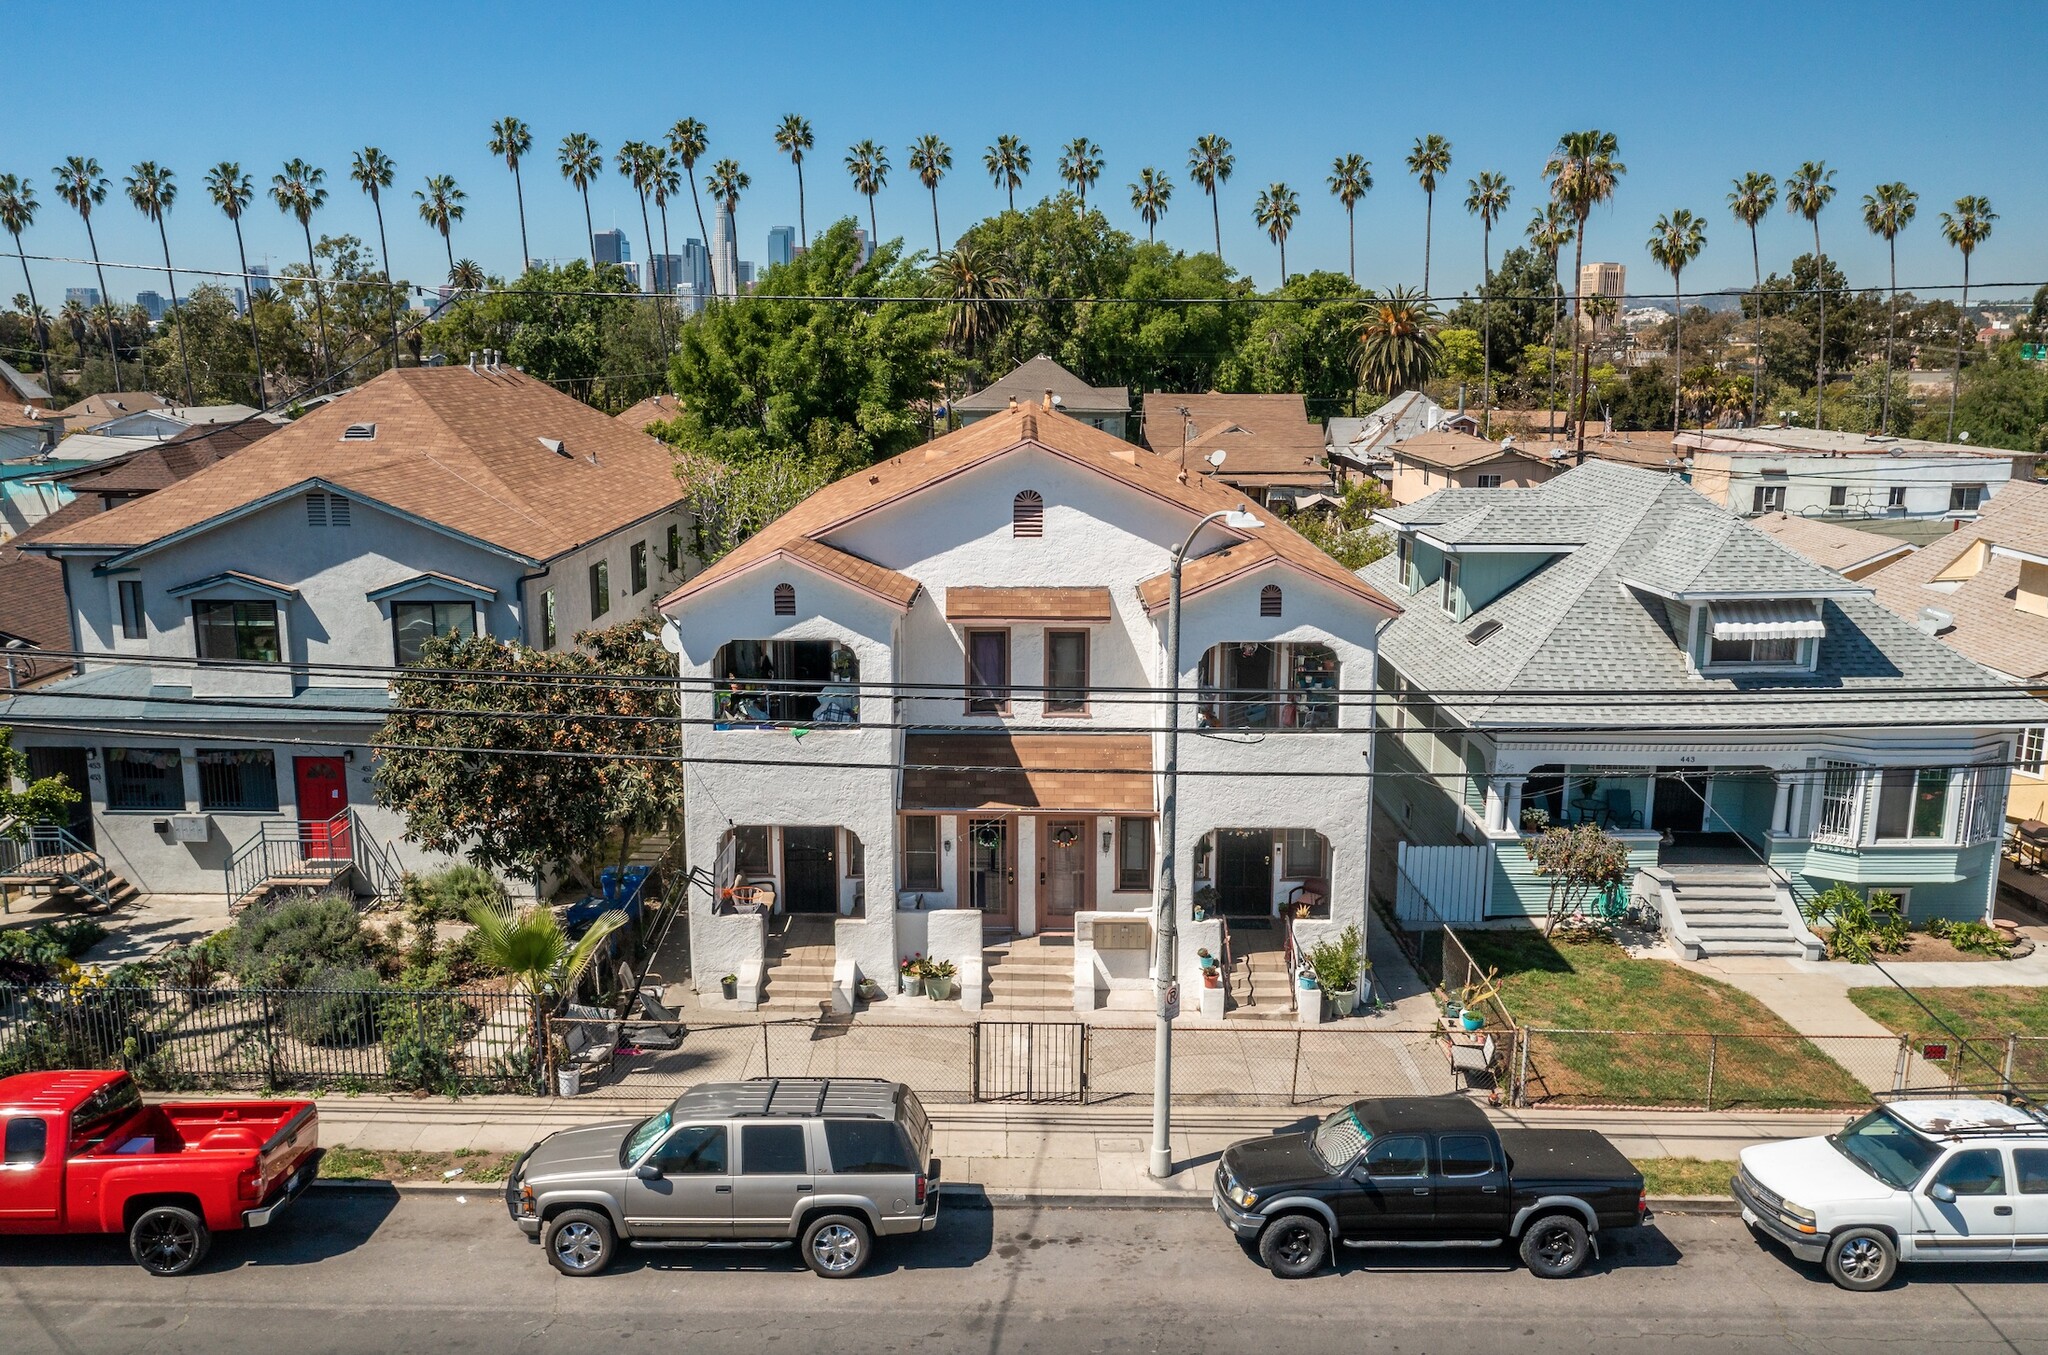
1027 514
785 599
359 432
326 510
1482 632
555 445
1269 600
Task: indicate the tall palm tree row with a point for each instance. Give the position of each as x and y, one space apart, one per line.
582 162
152 188
82 187
1430 157
725 185
1808 190
1675 241
511 140
666 183
793 137
1487 198
687 142
1967 227
1149 197
1887 211
441 207
1209 164
373 171
1007 162
1276 211
1081 166
1751 199
1550 230
232 192
1583 171
1350 181
17 213
930 158
867 163
298 192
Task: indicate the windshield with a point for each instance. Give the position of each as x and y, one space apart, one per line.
644 1136
1339 1139
1886 1149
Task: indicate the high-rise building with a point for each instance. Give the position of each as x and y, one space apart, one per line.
668 273
84 296
1604 279
151 301
240 301
781 245
259 278
611 246
725 255
745 272
633 276
867 246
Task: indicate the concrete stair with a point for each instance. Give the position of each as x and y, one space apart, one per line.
1030 975
1258 980
1716 911
799 974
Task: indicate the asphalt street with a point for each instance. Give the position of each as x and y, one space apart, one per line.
374 1272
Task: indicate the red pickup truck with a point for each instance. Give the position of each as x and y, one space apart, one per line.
83 1154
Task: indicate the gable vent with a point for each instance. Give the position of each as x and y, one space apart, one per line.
1269 600
359 432
327 510
785 599
1027 514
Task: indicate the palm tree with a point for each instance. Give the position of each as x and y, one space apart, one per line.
640 163
1430 157
793 137
441 207
1966 228
1008 161
687 141
1888 211
1149 196
868 164
83 187
77 322
1209 164
1486 198
582 161
726 183
1583 172
1350 181
153 188
1550 230
468 275
1675 241
971 279
930 158
1081 166
1397 348
1752 196
298 193
231 191
512 139
1276 210
373 170
666 183
1807 190
17 213
532 948
39 321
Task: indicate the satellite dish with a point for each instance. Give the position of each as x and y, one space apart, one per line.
1216 458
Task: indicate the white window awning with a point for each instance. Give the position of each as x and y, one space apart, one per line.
1789 619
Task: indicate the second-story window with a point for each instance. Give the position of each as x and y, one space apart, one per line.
133 626
988 672
238 631
1768 499
1066 672
600 588
1450 598
638 559
1268 686
1965 498
415 623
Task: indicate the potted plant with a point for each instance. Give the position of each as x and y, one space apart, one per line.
938 979
1205 902
1205 959
869 990
568 1077
729 987
1336 964
911 969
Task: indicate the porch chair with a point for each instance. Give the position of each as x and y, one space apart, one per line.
592 1038
1621 809
1312 893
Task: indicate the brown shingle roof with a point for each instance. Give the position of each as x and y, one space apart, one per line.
863 492
167 462
1267 439
1448 450
1988 627
1840 548
1027 604
1029 382
106 405
654 409
1101 773
458 448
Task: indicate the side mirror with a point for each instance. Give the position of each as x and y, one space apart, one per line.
647 1171
1941 1193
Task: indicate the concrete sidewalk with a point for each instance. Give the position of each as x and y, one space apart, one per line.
1073 1153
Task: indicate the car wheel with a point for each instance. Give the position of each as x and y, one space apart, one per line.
1862 1259
837 1245
1554 1247
580 1242
1294 1246
168 1240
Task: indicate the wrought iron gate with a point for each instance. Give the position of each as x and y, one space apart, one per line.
1032 1061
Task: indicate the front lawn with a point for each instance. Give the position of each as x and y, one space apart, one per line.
1641 1031
1985 1015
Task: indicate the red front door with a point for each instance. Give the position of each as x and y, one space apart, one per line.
322 784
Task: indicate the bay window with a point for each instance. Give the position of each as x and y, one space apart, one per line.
1912 804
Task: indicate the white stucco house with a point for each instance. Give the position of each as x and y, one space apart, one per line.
924 706
241 622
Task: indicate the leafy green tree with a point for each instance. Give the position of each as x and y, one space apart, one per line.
1347 534
1515 309
2003 403
1052 254
39 799
1461 355
1150 345
1301 345
556 325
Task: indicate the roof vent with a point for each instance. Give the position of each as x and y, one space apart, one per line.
359 432
1935 620
472 361
1482 632
555 445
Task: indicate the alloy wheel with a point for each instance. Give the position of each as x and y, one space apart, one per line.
836 1247
1558 1249
579 1246
1862 1259
1297 1248
168 1243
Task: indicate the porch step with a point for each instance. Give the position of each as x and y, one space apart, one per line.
1733 910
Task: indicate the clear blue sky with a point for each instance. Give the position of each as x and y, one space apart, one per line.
1927 93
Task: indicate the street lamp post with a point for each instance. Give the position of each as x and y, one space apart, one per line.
1166 908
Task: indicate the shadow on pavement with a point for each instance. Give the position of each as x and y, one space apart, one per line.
321 1225
964 1236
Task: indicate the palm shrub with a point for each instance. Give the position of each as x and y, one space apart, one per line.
1977 938
530 946
1860 927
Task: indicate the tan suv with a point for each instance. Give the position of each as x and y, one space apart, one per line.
828 1164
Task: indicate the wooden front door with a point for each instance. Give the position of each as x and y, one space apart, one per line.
1244 873
990 866
1064 872
810 876
321 790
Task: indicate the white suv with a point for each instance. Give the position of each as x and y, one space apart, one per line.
1913 1180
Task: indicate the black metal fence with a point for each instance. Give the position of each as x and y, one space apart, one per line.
246 1039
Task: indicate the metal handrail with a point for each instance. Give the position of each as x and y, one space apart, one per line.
56 844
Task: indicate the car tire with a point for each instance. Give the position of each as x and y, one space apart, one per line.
168 1240
580 1242
837 1246
1555 1246
1861 1259
1294 1246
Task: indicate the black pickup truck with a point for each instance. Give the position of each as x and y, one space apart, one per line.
1426 1171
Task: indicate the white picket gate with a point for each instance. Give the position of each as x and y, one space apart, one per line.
1453 882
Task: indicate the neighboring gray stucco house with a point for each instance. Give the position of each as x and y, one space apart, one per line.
245 619
1104 407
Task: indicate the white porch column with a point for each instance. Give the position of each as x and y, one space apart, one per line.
1514 823
1496 804
1781 810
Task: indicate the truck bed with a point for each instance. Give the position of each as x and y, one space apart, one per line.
1577 1162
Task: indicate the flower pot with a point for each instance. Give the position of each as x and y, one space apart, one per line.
729 989
1211 978
1471 1020
913 985
1343 1001
569 1081
938 990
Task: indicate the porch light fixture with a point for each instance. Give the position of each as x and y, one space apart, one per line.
1108 840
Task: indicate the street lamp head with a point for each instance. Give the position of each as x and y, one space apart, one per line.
1242 519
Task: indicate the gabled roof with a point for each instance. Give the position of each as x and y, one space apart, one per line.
808 525
1575 626
1371 435
1986 624
1447 450
1031 380
165 463
1708 551
463 450
1831 544
16 385
106 405
1266 439
1515 523
654 409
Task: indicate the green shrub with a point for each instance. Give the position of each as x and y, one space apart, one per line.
340 1008
1973 938
194 966
1860 928
31 955
79 936
1336 962
421 1037
285 945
